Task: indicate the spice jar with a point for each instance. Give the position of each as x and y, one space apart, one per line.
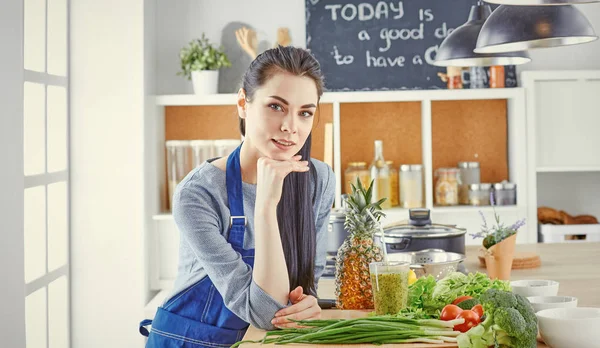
469 174
446 187
484 194
394 190
356 170
411 185
505 193
473 196
497 76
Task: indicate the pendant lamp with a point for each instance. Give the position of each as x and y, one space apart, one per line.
518 28
540 2
457 48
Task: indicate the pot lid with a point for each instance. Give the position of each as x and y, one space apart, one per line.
420 226
429 231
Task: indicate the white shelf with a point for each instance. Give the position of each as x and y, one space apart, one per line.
459 209
464 209
162 217
355 97
567 169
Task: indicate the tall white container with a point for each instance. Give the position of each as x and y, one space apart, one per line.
179 164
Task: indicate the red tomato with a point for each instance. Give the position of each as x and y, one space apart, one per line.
478 309
471 320
449 312
460 299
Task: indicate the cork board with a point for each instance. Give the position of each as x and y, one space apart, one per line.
471 130
398 125
221 122
201 122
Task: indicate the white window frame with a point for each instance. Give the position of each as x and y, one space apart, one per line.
45 179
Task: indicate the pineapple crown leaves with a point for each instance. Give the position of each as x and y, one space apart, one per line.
358 220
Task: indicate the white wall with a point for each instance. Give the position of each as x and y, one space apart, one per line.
12 288
575 193
107 172
180 21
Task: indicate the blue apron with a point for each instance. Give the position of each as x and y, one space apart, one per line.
197 316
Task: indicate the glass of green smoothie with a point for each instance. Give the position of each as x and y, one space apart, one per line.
390 286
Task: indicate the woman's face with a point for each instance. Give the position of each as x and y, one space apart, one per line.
280 116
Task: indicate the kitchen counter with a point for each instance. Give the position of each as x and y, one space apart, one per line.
573 265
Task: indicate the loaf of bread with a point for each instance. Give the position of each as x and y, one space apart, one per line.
547 215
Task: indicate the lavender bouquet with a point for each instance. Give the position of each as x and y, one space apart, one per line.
494 234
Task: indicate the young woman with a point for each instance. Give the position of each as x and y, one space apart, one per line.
253 225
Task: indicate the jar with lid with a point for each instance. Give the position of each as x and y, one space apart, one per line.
469 174
394 189
356 170
380 174
446 187
505 193
411 185
484 193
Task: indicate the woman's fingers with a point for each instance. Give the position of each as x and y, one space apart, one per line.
307 308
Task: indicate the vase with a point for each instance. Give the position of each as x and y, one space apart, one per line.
499 258
205 81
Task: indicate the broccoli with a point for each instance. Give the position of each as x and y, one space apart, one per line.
468 304
510 322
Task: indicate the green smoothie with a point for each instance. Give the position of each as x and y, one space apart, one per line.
390 291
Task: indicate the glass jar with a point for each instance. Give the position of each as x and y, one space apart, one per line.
380 174
223 147
484 193
179 161
356 170
202 150
446 187
394 189
469 174
411 185
473 196
505 193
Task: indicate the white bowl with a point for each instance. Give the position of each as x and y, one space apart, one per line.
546 302
570 327
529 288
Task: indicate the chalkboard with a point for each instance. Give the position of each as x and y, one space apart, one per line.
383 45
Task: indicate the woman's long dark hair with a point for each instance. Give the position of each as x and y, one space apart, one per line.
295 215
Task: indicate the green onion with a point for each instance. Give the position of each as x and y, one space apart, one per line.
374 329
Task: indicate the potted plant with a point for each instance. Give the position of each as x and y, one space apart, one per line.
200 62
498 245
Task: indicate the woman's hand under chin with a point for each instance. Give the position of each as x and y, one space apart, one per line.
269 178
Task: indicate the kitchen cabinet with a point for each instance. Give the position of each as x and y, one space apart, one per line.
562 141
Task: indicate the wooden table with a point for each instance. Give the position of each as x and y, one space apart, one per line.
573 265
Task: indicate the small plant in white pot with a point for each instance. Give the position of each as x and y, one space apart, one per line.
200 62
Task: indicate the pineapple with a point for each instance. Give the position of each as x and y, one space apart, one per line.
352 278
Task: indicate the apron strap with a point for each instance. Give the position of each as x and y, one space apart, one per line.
235 197
143 325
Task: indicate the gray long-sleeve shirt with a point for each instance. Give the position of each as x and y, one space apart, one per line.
201 214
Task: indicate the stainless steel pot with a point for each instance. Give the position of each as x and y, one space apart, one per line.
420 234
336 232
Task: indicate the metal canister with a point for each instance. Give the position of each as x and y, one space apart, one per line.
505 193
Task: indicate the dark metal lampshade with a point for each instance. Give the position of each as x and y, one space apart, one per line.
457 48
540 2
518 28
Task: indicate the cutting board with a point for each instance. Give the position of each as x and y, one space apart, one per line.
255 334
521 260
